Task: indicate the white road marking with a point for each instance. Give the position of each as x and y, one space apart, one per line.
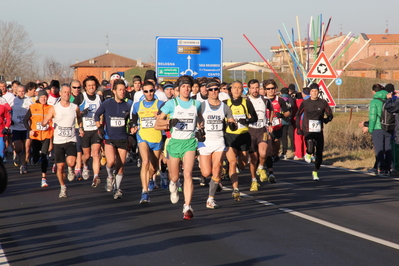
334 226
3 259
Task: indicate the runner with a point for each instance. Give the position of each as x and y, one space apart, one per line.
280 111
182 145
40 136
259 133
149 139
238 140
313 110
76 88
115 112
63 114
54 93
212 150
5 123
88 103
19 134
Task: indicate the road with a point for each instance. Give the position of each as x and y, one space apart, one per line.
347 218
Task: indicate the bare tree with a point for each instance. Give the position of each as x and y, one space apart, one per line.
53 69
16 55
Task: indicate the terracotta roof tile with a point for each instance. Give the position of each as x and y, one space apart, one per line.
107 60
375 62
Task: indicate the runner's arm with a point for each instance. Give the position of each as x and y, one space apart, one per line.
27 120
49 116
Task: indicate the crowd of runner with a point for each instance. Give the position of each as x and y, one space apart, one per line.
164 128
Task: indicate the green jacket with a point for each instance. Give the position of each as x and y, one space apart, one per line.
375 110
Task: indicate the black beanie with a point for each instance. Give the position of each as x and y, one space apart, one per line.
54 83
389 87
150 74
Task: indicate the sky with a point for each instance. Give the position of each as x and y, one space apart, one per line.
71 31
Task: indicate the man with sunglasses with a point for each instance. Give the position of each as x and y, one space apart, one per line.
149 139
88 103
76 88
238 139
212 150
280 110
259 133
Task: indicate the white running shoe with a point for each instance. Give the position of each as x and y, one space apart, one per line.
63 192
110 184
174 194
71 174
85 173
96 181
117 193
308 158
211 204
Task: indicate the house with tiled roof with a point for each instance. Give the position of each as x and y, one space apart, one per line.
103 66
381 67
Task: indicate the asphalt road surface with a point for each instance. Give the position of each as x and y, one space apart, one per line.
347 218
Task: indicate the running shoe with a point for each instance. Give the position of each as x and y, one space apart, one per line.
128 157
164 180
145 198
96 181
117 193
254 186
174 194
236 194
308 158
44 183
211 204
63 192
202 181
54 168
110 184
283 157
16 159
188 212
272 178
103 161
20 169
313 159
71 174
296 158
315 176
24 169
372 170
138 162
85 173
78 175
151 185
262 175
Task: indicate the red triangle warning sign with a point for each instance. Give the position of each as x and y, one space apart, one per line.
322 68
325 94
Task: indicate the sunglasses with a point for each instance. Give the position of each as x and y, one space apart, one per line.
145 91
213 89
271 88
76 87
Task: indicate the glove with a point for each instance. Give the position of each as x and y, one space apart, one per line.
366 123
6 131
85 111
300 132
279 115
326 120
200 135
173 122
243 121
101 132
232 126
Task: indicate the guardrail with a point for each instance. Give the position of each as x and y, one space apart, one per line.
347 107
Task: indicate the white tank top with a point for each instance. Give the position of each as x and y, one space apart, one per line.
213 122
19 110
260 109
188 120
88 119
64 123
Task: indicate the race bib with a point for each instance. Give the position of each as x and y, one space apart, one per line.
89 121
117 121
185 125
214 125
314 126
276 121
40 127
258 124
66 131
147 122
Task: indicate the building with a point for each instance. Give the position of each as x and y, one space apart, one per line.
103 66
381 67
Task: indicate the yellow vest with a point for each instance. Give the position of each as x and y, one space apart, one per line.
147 118
240 111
